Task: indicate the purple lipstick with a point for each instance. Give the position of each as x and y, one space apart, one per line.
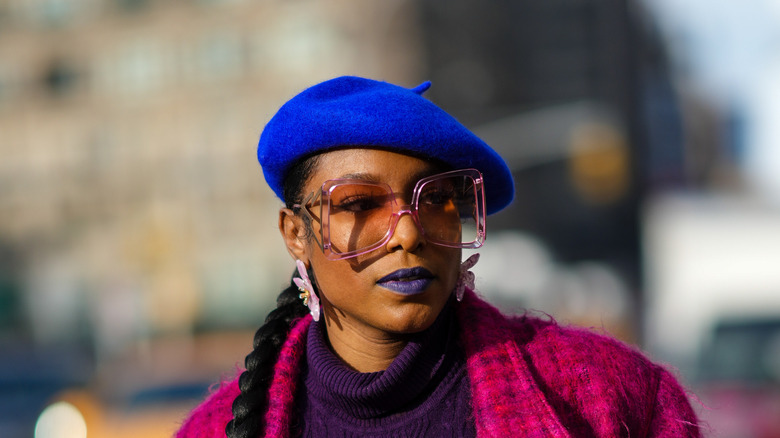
408 281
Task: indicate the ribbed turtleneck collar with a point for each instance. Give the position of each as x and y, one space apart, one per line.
416 371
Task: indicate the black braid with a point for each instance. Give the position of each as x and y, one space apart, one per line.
250 405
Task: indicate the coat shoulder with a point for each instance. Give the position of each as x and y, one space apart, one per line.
553 341
567 353
589 377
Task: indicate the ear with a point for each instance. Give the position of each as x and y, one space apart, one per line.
293 232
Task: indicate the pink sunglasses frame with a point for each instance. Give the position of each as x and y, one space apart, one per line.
328 186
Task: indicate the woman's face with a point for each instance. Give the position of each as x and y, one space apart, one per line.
355 292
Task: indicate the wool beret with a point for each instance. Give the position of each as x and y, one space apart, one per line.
352 111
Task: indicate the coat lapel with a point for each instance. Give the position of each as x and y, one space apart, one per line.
287 370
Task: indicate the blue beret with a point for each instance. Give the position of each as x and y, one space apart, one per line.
352 111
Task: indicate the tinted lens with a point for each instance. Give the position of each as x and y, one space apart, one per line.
447 209
359 216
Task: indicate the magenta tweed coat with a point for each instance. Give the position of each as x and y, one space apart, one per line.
528 377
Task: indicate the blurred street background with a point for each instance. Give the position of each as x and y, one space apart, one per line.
138 243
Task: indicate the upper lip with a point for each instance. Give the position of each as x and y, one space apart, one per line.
407 274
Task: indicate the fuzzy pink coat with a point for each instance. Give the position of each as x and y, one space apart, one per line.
528 377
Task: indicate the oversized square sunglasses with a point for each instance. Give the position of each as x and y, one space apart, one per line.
359 216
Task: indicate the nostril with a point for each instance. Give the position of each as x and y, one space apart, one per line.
406 233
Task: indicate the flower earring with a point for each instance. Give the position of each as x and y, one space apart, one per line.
307 294
466 277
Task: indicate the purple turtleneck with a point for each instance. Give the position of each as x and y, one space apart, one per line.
424 392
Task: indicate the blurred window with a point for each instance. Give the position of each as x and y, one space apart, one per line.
131 5
221 56
6 15
9 290
56 12
60 78
743 351
138 67
219 2
47 12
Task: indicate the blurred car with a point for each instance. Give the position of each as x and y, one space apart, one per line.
739 379
150 412
146 392
28 380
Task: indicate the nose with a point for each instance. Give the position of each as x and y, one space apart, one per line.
406 234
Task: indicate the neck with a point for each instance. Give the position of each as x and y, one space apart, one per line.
362 350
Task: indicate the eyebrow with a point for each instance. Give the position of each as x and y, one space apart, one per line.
370 177
361 176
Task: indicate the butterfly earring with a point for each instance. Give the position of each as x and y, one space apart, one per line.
466 277
307 294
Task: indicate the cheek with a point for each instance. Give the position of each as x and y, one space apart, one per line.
450 263
333 276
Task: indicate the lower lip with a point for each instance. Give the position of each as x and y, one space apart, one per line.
411 287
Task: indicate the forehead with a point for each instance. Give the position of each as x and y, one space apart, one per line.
392 168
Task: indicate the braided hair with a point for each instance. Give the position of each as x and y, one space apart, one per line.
250 405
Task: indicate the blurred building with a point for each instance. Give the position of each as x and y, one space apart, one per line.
130 199
577 96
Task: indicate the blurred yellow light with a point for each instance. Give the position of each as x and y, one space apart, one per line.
61 420
599 165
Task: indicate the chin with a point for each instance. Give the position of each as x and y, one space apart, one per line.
420 321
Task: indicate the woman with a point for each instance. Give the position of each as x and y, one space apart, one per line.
382 191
